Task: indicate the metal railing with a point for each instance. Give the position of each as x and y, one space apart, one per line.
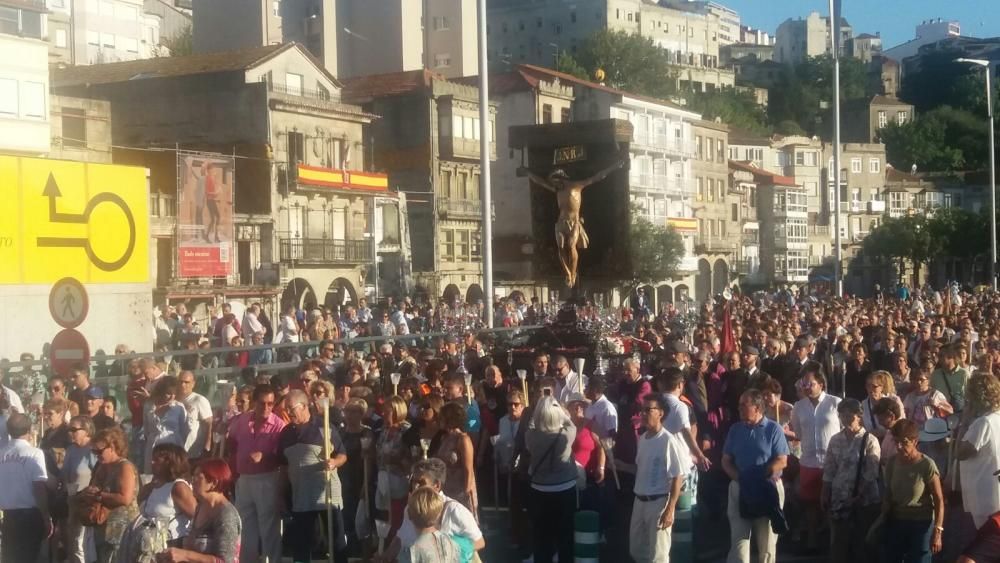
298 92
325 251
463 207
162 205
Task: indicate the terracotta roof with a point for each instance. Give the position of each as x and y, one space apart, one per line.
770 177
362 89
549 74
502 83
894 175
164 67
889 101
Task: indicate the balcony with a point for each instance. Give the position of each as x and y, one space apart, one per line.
459 208
875 206
666 184
664 144
819 230
749 239
714 245
325 251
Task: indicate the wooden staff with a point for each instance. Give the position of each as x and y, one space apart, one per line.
324 404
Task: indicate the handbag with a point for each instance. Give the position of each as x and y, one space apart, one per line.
90 511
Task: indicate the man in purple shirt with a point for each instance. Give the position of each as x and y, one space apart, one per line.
253 446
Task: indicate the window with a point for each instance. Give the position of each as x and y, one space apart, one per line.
467 128
874 165
8 96
108 40
293 83
800 158
735 212
697 147
33 99
721 147
628 16
811 158
61 38
456 126
130 44
93 38
441 23
276 8
296 149
546 113
442 60
448 245
701 188
126 12
477 245
564 115
322 91
462 245
74 127
883 120
855 166
796 230
902 117
710 149
711 190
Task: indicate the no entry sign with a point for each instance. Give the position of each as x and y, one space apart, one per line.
69 348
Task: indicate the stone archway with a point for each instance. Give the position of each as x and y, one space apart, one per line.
664 295
341 292
298 292
474 294
703 281
720 275
681 293
451 293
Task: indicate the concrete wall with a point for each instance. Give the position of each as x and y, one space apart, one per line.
119 314
25 63
457 41
214 29
97 119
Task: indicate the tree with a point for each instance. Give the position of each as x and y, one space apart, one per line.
630 62
943 139
941 81
656 253
804 92
735 108
181 44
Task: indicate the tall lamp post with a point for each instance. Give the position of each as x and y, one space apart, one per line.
484 164
838 287
993 167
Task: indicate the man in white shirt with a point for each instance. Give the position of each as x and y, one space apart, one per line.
24 496
567 380
979 454
456 520
660 470
200 417
678 417
814 421
602 413
288 327
12 398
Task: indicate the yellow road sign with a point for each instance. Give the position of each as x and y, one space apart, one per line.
88 221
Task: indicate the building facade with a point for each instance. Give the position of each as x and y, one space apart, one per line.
350 37
428 142
102 31
798 39
524 31
24 78
303 200
928 31
864 118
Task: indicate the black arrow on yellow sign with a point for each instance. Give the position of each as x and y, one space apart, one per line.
52 192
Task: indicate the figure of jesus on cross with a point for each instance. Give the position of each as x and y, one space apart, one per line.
570 234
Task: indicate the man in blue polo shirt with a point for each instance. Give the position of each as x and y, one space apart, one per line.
754 446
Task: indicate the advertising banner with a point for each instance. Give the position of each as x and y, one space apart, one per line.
204 215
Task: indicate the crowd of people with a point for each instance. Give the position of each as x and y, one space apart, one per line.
861 429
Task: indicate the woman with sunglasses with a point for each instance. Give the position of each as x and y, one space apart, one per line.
924 402
426 426
114 485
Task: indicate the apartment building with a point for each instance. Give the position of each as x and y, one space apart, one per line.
865 46
428 143
526 31
24 78
927 31
798 39
862 190
862 119
350 37
744 188
102 31
305 205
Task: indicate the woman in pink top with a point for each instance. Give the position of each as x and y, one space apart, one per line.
587 452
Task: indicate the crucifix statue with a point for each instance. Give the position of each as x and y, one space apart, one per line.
570 234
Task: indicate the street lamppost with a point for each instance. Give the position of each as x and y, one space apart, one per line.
993 168
838 287
484 165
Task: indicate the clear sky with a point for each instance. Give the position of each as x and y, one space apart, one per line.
895 19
